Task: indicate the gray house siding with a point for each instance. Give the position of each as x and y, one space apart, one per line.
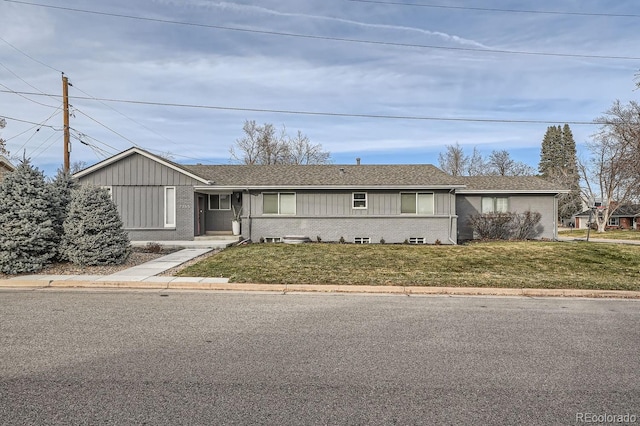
470 204
330 216
323 203
137 187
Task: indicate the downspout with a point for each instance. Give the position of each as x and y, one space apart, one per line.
555 217
249 211
451 199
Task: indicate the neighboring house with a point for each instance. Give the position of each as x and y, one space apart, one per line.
160 200
5 167
626 216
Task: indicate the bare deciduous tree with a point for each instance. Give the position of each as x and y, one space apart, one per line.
453 160
612 174
265 145
477 165
500 163
302 151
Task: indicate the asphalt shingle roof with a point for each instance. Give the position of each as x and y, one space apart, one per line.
509 183
324 175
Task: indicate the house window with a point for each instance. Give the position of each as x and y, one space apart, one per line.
495 205
279 203
219 201
416 240
359 200
362 240
170 206
614 221
416 203
272 239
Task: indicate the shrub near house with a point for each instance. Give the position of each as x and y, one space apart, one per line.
93 232
35 227
27 236
505 226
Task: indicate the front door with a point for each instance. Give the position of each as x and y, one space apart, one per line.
200 224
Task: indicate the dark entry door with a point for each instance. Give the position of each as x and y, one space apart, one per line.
200 226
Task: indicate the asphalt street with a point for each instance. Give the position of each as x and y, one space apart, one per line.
153 357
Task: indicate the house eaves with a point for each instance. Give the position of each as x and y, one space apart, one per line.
513 191
323 187
4 162
144 153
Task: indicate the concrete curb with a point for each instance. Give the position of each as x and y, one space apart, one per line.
316 288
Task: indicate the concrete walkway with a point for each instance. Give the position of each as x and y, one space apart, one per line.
205 243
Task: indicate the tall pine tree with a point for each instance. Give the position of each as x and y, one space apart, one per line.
559 164
93 233
27 235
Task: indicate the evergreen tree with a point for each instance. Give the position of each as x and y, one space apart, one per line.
27 237
559 164
93 233
61 189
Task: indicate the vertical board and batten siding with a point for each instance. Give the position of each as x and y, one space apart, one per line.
137 170
338 203
137 185
468 205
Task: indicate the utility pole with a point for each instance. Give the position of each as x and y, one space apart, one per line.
67 142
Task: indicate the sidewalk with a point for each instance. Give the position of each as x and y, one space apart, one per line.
599 240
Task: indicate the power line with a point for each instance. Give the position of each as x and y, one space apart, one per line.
29 122
335 114
9 90
29 56
328 38
40 126
20 78
105 126
34 155
127 117
488 9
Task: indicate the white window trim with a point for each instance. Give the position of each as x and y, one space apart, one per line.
417 240
494 203
362 240
271 240
433 203
295 204
614 221
166 224
219 209
353 200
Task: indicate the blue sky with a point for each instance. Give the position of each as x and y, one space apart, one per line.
126 59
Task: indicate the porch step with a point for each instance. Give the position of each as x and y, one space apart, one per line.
208 233
217 237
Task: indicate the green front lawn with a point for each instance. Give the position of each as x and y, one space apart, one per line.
495 264
613 234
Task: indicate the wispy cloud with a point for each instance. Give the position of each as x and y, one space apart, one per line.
241 8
